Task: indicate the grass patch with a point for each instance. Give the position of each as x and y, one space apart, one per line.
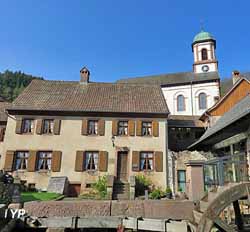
39 196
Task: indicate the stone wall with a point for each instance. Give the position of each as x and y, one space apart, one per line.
182 157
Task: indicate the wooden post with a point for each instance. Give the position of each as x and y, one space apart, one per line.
238 218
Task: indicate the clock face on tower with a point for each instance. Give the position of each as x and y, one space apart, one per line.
205 68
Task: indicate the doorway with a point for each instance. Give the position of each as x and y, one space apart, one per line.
122 168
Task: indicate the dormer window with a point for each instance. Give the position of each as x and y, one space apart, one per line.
204 54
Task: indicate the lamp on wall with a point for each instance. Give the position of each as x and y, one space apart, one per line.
113 140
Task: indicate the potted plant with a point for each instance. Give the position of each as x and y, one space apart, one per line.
168 192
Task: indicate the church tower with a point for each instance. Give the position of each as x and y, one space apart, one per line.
203 47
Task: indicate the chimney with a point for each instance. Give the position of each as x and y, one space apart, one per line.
235 76
84 73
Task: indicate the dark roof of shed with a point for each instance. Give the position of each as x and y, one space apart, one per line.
173 78
184 121
71 96
241 109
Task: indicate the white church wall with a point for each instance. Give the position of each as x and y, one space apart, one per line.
191 97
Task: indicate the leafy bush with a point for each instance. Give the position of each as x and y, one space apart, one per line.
168 192
101 186
156 194
142 184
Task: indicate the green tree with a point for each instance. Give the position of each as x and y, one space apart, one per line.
13 83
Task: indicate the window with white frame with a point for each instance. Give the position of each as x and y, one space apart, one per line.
123 128
21 161
93 127
91 160
180 103
146 128
146 161
48 125
44 160
202 101
27 126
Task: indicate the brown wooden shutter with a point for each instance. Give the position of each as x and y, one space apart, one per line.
80 160
9 161
136 161
39 125
19 125
56 161
101 127
114 127
131 128
32 161
155 125
57 126
2 132
84 127
139 128
159 161
103 161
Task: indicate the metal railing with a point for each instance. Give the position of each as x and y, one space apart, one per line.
227 169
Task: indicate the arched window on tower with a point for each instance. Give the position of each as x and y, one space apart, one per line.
202 101
180 103
204 54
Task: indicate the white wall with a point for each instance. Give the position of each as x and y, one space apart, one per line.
191 94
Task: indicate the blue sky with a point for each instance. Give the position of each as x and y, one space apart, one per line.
117 38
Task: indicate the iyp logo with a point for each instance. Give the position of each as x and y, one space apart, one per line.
14 213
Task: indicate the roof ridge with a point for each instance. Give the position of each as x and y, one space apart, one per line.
97 83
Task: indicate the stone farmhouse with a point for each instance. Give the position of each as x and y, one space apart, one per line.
83 129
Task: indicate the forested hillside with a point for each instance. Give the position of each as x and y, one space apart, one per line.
13 83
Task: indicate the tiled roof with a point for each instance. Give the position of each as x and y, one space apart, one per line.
184 121
241 109
91 97
173 78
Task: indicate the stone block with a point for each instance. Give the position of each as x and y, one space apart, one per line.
127 208
58 184
68 208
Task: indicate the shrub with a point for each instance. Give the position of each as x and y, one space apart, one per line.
142 184
168 192
156 194
101 186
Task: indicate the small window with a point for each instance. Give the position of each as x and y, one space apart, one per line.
204 54
123 128
181 180
91 160
27 126
44 160
202 101
21 161
146 128
146 161
48 125
92 127
180 103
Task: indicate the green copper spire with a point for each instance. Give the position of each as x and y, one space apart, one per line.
203 35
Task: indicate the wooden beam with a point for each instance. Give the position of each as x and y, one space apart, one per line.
232 140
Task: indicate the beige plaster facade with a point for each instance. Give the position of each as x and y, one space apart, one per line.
70 140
